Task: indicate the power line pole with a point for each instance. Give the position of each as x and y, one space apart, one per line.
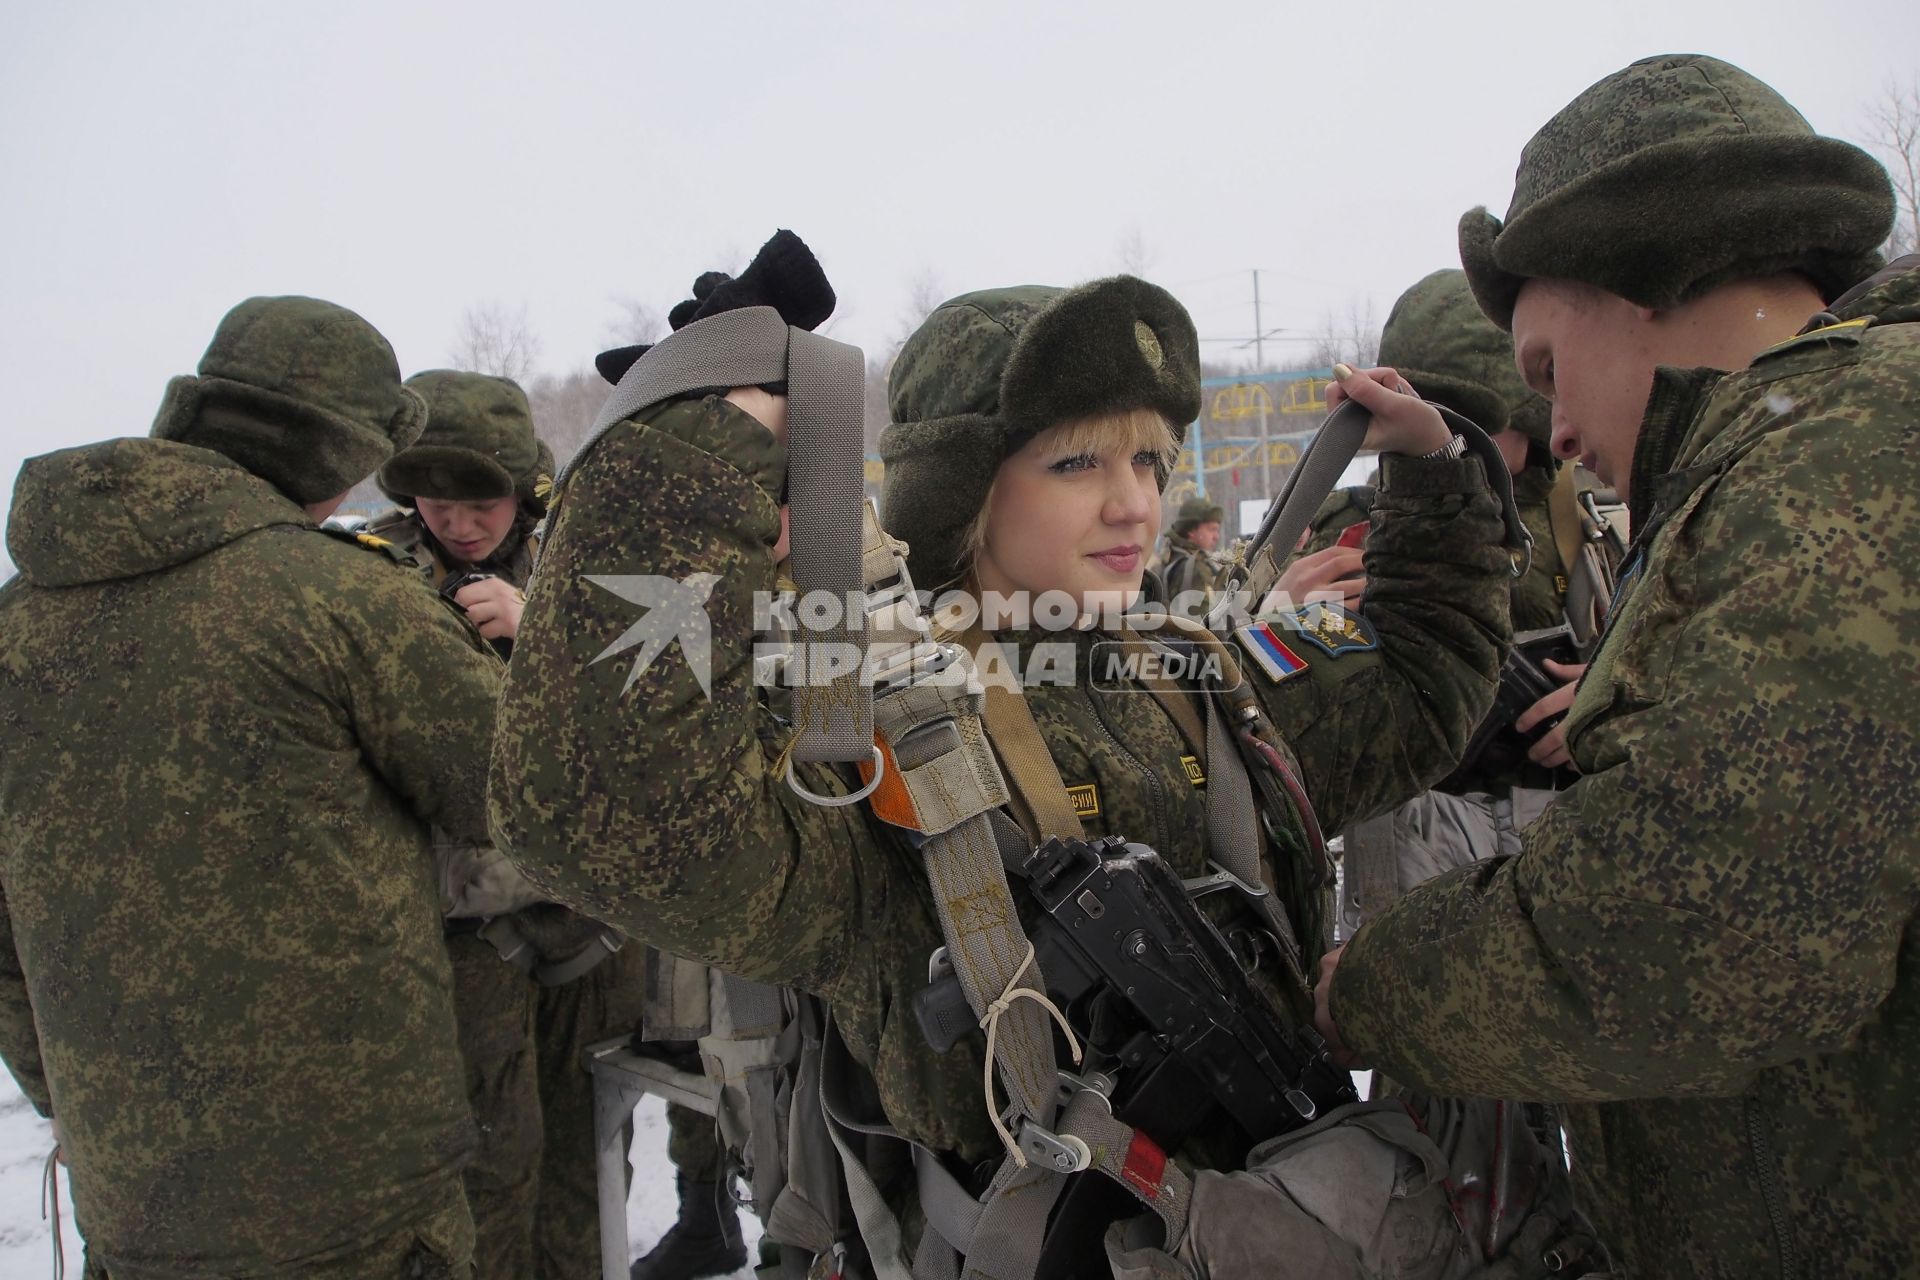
1260 366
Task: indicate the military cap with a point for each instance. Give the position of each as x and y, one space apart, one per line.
1674 175
303 393
1195 512
1437 338
479 444
988 371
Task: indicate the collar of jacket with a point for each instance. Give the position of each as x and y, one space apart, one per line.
1673 408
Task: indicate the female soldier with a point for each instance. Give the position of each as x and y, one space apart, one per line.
1032 430
533 983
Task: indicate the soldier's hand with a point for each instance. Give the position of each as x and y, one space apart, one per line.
1333 570
769 410
1323 1013
1402 421
493 605
1551 750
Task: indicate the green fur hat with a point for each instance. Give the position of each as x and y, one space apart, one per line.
1670 177
1437 338
1195 512
988 371
303 393
479 444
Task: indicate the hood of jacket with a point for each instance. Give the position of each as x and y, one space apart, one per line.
128 507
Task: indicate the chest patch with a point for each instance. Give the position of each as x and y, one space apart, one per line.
1085 799
1334 628
1195 773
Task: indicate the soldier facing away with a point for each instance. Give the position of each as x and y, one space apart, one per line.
227 734
533 983
1708 946
1437 339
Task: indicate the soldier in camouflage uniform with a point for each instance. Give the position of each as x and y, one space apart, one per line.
533 983
226 732
1438 340
1709 945
1193 561
713 855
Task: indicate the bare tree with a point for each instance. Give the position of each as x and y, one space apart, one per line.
1133 255
1894 123
564 406
636 323
1352 338
492 339
924 293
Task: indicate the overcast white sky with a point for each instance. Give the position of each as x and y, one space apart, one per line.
162 161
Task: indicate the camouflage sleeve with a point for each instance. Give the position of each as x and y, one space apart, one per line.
1377 706
1342 509
630 777
1727 887
19 1037
420 686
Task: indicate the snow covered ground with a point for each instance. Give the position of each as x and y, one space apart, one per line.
26 1251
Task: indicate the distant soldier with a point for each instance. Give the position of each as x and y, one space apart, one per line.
227 733
1193 561
533 983
1708 949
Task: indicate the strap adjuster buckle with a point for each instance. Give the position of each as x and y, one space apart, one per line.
1060 1152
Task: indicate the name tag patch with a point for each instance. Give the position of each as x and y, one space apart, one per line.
1086 800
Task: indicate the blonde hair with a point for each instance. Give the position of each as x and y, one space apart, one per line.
1128 431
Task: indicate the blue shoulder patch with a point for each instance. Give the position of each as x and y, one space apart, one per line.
1333 628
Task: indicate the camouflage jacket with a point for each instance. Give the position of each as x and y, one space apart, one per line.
1538 595
1189 567
474 878
1710 942
636 797
409 533
223 734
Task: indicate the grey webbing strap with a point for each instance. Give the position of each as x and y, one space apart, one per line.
825 403
1319 469
879 1228
740 348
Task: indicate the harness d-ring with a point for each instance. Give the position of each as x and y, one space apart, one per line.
840 802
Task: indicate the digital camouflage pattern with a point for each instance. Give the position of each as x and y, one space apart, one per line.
223 971
1614 191
479 444
664 811
1710 942
1538 595
1438 340
536 1209
301 392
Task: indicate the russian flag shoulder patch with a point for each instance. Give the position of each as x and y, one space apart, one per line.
1270 652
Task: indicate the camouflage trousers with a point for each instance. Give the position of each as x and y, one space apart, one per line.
438 1247
536 1206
